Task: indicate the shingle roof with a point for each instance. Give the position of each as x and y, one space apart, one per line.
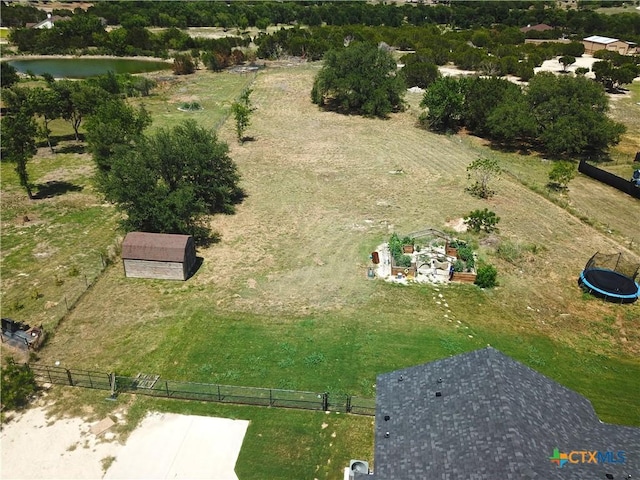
495 418
541 27
162 247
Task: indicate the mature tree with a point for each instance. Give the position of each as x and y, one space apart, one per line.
170 181
18 133
17 383
603 71
78 100
359 78
445 99
113 124
510 122
570 113
47 104
483 96
419 72
566 60
625 75
483 171
8 74
573 49
561 174
242 110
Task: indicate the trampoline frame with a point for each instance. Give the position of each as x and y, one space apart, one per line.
623 298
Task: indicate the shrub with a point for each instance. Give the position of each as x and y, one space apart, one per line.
18 384
403 261
479 220
561 174
395 247
484 171
486 276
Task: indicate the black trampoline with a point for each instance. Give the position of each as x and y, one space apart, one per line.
611 277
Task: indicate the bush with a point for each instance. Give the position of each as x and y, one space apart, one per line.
18 384
479 220
403 261
486 276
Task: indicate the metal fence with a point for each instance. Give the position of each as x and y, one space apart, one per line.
209 392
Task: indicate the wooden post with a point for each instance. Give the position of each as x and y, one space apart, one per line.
69 377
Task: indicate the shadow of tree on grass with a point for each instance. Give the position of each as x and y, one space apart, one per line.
55 188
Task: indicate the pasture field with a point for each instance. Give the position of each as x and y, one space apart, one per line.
283 299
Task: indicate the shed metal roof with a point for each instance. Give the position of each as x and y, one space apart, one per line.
162 247
493 418
599 39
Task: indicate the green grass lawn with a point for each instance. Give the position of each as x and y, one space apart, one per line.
283 299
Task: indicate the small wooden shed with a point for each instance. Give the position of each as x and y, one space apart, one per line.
158 255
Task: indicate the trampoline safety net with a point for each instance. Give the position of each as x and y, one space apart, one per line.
616 262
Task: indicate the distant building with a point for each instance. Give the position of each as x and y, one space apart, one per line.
48 22
595 42
541 27
484 416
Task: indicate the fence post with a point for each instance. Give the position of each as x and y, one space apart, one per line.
166 386
219 397
69 377
90 381
348 404
325 401
270 399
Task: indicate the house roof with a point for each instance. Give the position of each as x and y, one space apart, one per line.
48 22
541 27
599 39
162 247
494 418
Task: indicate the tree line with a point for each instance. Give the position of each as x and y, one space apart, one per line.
459 14
86 34
497 51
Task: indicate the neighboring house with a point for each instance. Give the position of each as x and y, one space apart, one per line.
48 22
482 415
158 255
541 27
595 42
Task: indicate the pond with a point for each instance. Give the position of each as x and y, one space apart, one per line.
86 67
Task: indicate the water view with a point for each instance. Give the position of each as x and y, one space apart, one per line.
86 67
